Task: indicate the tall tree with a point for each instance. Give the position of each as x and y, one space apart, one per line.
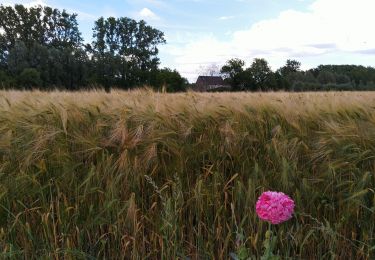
233 73
291 66
125 51
18 58
289 73
261 74
39 38
43 25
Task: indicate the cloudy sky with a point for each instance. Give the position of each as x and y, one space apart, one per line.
201 33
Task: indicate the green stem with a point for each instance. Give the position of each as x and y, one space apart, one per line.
269 249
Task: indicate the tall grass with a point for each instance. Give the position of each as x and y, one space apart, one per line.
141 175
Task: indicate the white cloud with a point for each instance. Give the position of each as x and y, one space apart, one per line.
226 18
147 14
328 26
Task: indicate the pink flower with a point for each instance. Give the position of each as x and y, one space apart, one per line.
274 207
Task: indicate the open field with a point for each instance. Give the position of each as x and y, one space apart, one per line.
140 174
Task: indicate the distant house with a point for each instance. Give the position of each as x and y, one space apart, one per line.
210 83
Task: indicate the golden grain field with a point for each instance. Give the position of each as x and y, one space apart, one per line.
145 175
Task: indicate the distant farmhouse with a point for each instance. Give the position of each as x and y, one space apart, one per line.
210 83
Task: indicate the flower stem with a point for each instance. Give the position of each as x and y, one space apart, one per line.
268 244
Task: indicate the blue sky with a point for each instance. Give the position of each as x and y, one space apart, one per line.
202 33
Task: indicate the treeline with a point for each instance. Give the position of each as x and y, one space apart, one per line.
259 77
42 47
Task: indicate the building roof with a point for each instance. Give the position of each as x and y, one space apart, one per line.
210 80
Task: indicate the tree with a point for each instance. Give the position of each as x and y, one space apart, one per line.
260 74
169 80
342 79
125 51
5 80
233 73
326 77
43 39
43 25
291 66
74 68
17 59
289 72
29 78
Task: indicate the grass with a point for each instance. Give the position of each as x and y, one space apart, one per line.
140 175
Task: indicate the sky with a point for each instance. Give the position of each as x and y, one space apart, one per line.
203 33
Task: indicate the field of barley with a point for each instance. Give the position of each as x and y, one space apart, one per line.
145 175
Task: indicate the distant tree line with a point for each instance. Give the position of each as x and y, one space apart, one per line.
42 47
259 77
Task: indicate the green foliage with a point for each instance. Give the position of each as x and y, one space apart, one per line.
18 58
234 73
289 74
29 78
170 81
144 175
123 53
45 40
43 25
5 80
260 73
290 77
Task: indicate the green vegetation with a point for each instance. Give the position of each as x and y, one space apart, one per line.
290 77
42 48
164 176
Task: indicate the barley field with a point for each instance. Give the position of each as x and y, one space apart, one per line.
145 175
